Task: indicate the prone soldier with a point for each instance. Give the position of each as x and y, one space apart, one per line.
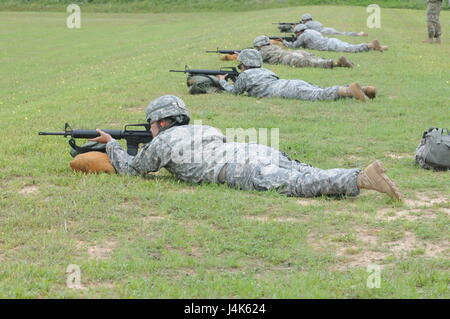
200 153
260 82
311 39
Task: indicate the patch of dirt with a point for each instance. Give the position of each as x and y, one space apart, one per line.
409 243
355 158
306 202
103 251
96 285
408 214
182 272
153 218
278 219
428 200
29 189
400 155
367 250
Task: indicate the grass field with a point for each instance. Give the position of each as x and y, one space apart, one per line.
158 237
141 6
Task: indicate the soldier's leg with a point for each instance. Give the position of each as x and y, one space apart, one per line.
306 181
332 31
307 91
301 61
341 46
438 31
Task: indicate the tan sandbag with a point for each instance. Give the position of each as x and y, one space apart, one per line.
92 162
276 42
229 57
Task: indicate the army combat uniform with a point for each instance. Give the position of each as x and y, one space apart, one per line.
199 153
260 82
316 25
273 54
433 11
312 39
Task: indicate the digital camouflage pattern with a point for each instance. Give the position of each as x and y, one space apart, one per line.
317 26
274 54
198 153
166 106
433 11
261 82
250 57
261 40
312 39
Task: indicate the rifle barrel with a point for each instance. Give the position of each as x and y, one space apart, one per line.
52 133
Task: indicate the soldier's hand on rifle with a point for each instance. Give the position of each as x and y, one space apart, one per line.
221 77
103 138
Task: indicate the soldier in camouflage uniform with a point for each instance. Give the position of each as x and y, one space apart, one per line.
260 82
311 39
307 19
274 54
200 153
434 26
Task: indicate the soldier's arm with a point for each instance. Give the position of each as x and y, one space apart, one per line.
152 157
239 86
299 43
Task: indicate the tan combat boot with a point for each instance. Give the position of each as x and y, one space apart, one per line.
343 62
353 90
370 91
373 177
375 45
362 34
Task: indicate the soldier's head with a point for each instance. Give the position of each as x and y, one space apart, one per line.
261 41
249 59
306 17
299 29
165 112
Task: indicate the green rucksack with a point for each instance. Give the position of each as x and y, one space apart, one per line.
285 28
203 84
433 151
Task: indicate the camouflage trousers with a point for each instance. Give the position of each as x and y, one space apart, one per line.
331 31
434 26
302 90
291 178
299 60
341 46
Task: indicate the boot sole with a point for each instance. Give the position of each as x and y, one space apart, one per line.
393 189
371 92
357 92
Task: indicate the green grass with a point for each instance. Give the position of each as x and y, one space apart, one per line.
158 237
192 5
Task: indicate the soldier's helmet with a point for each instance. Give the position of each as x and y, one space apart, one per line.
300 28
250 57
306 16
166 106
261 40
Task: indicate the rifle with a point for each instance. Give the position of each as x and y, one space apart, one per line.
289 39
291 23
133 137
224 51
232 72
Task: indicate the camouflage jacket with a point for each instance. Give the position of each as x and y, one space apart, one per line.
310 39
193 153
